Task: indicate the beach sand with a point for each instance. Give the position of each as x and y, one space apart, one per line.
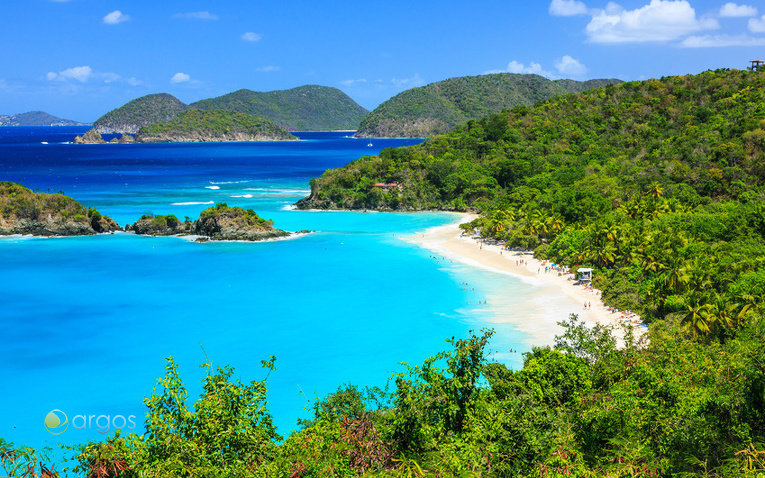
559 297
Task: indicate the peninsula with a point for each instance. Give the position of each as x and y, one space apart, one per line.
201 126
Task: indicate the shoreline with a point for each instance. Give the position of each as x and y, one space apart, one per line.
556 295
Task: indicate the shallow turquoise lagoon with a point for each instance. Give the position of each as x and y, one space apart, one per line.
86 323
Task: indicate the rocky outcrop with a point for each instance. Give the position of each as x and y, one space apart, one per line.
204 137
232 227
218 223
91 137
41 214
125 138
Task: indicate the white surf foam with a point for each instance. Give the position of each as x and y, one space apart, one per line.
212 187
191 203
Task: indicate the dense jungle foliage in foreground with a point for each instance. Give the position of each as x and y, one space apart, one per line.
674 406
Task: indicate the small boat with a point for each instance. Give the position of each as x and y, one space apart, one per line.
43 142
369 144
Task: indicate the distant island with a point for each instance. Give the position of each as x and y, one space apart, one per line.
440 107
23 211
311 107
218 223
37 118
200 126
143 111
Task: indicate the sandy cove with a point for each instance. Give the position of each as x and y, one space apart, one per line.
541 327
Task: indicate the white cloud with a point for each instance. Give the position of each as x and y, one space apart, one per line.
412 82
757 25
268 68
205 15
84 74
180 78
732 10
570 66
567 8
516 67
116 17
79 73
534 68
250 36
712 41
659 21
354 82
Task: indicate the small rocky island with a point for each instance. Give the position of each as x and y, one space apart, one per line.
193 126
218 223
23 211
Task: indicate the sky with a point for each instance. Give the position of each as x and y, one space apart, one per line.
79 59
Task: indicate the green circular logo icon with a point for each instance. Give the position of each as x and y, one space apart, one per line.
56 422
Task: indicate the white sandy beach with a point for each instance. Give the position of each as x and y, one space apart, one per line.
560 296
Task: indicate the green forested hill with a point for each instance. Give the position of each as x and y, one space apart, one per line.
659 184
142 111
202 126
305 108
440 107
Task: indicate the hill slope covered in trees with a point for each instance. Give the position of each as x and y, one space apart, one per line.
212 126
440 107
143 111
305 108
658 184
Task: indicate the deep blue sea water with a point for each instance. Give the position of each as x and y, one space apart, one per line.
86 323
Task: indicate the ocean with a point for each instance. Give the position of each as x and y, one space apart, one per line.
86 323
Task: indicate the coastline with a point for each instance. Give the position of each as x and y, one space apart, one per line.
557 297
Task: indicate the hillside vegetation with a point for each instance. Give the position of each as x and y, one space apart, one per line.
441 107
658 184
23 211
142 111
305 108
201 126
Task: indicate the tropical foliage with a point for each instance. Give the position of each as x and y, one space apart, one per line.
197 125
139 112
440 107
671 406
305 108
658 184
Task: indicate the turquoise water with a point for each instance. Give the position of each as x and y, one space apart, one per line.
87 322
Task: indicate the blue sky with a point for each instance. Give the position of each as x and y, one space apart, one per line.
79 59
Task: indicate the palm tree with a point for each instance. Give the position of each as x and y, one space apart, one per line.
655 190
698 317
497 222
